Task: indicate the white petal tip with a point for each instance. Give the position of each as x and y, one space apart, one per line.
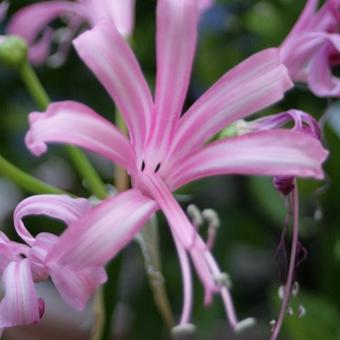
244 324
187 328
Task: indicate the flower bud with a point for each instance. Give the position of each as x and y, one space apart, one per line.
13 51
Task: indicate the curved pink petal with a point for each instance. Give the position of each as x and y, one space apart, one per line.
304 20
10 251
176 41
74 123
110 58
75 284
43 243
103 231
187 282
256 83
320 78
270 153
20 306
32 20
61 207
121 13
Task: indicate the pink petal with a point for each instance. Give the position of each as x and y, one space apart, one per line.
39 51
110 58
43 243
77 285
304 20
301 50
33 19
74 123
176 41
20 306
187 282
203 5
10 251
256 83
270 153
183 229
320 77
103 231
121 13
61 207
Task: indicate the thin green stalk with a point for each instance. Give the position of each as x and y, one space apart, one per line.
24 180
79 159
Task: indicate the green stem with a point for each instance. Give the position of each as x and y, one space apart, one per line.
24 180
79 159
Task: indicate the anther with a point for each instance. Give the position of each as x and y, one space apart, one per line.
195 215
301 311
290 311
223 279
182 329
244 324
157 167
296 288
212 218
281 292
143 166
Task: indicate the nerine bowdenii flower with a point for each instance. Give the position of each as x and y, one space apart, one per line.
24 265
166 148
312 48
32 23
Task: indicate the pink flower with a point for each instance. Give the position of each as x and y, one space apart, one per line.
168 149
23 265
33 20
312 48
3 10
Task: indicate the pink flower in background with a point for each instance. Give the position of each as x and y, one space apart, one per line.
3 10
167 149
23 265
31 23
312 48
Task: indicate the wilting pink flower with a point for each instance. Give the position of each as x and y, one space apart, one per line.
312 48
31 22
168 149
23 265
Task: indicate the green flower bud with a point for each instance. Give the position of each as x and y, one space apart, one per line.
13 51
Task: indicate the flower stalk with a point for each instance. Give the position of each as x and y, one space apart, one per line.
24 180
290 278
79 160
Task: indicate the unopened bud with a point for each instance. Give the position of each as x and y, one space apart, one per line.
13 51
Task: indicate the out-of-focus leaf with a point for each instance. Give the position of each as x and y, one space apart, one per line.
264 19
333 117
267 199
